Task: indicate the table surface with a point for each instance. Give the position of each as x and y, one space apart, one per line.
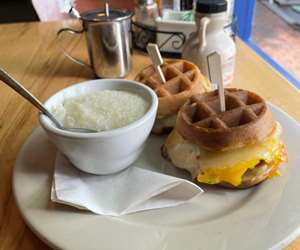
28 51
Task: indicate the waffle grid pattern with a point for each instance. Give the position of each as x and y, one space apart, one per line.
242 107
180 77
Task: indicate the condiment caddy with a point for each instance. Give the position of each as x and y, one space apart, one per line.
173 26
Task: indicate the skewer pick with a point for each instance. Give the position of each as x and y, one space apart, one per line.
156 59
216 77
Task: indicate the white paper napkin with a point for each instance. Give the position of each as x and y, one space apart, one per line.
134 189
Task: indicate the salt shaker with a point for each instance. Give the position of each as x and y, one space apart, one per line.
145 14
146 11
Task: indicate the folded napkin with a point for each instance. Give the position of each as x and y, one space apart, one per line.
134 189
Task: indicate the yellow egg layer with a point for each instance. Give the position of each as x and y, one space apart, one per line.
230 166
234 174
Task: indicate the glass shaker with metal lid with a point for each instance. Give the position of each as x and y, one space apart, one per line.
145 13
108 41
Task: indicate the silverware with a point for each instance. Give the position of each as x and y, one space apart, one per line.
19 88
106 8
108 40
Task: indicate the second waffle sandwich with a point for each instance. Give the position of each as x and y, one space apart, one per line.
183 79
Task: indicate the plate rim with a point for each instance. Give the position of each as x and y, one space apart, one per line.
280 244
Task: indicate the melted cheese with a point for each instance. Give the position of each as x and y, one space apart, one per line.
234 174
231 175
264 150
229 166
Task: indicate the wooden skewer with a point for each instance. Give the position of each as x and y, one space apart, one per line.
156 59
216 76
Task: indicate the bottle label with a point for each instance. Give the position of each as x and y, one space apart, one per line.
228 69
228 64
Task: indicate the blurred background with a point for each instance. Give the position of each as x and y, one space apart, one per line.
270 27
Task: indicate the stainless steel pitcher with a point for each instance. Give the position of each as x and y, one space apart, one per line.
108 41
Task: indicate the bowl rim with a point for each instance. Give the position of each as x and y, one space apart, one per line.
47 124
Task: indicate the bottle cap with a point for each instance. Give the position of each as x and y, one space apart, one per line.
211 6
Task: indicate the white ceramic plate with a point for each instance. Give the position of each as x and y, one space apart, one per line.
264 217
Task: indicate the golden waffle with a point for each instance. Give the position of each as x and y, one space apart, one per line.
183 79
246 120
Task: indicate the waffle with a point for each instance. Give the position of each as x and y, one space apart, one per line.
246 120
183 79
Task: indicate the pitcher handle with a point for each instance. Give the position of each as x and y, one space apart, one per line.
66 53
203 24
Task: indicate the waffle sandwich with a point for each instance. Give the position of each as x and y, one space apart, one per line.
183 80
238 148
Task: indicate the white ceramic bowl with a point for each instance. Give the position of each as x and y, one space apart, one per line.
104 152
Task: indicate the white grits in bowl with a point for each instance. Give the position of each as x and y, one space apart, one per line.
122 111
101 110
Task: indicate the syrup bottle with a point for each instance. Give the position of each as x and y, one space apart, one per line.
210 38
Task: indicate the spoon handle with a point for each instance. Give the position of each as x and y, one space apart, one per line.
15 85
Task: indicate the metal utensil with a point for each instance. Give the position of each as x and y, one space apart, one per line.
15 85
106 8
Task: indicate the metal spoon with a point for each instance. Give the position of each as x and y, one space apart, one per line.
15 85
